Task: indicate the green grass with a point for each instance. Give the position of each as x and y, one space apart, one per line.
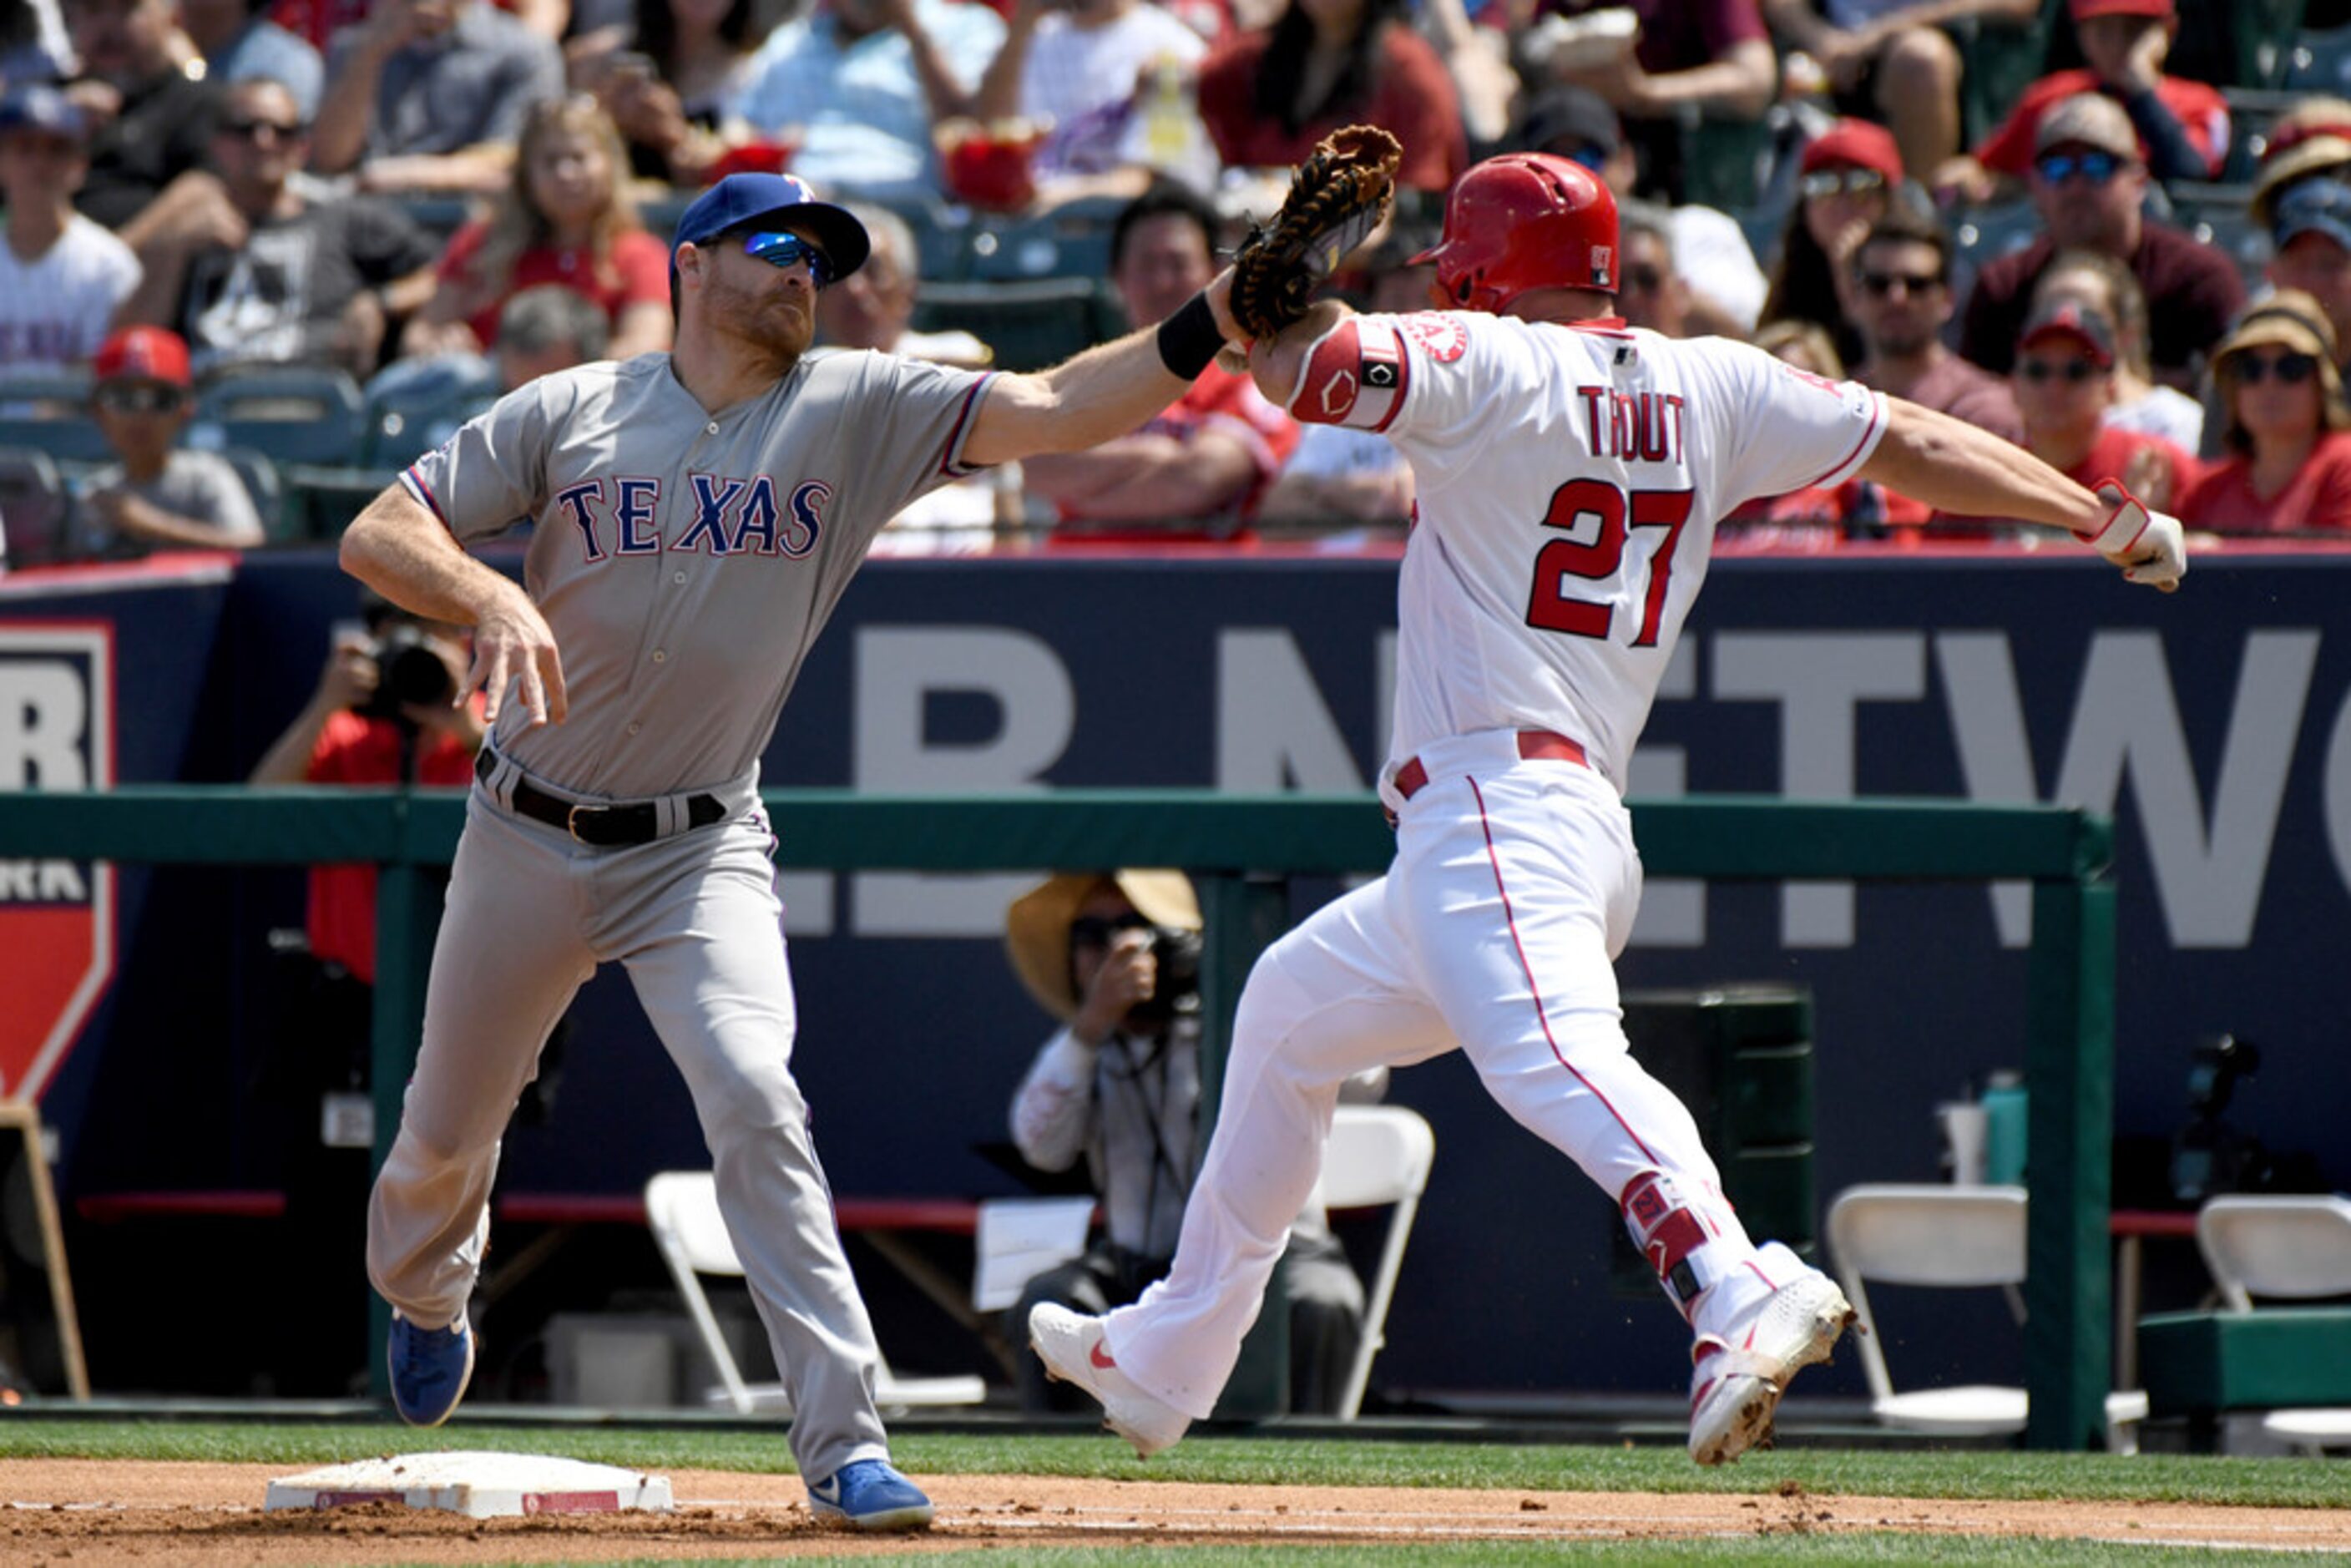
2164 1478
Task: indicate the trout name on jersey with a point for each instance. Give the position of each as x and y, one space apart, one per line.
1635 428
729 516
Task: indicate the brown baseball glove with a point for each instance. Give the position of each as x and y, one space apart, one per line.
1336 198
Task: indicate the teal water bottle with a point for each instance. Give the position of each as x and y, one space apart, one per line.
2004 1102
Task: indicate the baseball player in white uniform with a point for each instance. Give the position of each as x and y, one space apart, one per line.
1571 472
697 514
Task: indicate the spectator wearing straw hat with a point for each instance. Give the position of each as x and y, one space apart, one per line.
2285 428
1114 956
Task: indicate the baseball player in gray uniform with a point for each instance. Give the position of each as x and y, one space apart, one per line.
698 515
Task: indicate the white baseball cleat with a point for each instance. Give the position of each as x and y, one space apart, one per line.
1071 1345
1737 1377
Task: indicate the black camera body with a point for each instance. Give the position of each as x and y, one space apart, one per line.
407 671
1178 987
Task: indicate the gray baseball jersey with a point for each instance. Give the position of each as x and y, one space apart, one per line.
685 563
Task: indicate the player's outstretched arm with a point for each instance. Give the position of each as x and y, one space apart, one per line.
1106 391
1957 467
401 550
1276 363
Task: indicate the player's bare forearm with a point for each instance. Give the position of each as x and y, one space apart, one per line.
1956 467
401 550
1106 391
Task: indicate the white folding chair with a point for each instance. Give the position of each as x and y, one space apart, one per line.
1954 1237
2297 1249
682 1208
1377 1155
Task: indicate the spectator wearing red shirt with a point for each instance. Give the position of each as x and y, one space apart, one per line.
1198 470
1268 96
2087 184
352 732
2182 126
2065 383
565 220
2288 434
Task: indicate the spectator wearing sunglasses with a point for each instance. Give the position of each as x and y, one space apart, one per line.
155 495
1846 182
1114 956
2087 184
2180 127
2064 385
250 269
2286 431
1901 292
2105 285
1711 254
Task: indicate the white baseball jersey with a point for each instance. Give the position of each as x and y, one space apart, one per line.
1556 552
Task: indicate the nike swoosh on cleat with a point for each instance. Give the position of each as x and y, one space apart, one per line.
1095 1354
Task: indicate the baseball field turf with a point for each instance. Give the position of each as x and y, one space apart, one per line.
145 1491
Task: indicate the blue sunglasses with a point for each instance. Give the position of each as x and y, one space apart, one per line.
788 250
2095 167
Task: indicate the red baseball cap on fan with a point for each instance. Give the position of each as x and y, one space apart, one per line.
143 354
2083 10
1856 144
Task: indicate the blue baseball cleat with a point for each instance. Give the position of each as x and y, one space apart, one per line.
868 1494
430 1369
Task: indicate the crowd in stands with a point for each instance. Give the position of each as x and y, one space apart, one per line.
2117 232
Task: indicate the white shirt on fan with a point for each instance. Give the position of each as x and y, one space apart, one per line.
1570 479
54 308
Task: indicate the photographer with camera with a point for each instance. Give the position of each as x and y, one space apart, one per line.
382 714
1117 955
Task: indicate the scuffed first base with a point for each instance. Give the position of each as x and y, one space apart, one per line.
477 1485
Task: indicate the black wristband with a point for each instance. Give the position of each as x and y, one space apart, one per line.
1189 339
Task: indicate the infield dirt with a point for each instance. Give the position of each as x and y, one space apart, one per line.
100 1514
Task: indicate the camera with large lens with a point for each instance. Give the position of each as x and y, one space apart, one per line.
1178 987
407 671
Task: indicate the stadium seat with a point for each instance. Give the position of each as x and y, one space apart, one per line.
34 506
1031 323
1997 62
2297 1249
2260 29
1983 235
2319 62
1071 241
47 408
408 414
2252 112
682 1208
262 483
1725 163
1944 1236
1377 1155
289 414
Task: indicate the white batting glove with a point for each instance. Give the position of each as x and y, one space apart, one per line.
2149 547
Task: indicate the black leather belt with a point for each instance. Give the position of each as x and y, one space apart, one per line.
605 827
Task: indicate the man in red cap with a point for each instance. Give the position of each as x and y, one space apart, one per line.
156 496
2182 125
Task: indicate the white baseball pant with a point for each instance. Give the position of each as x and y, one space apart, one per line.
1513 888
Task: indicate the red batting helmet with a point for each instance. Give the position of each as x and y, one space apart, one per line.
1522 221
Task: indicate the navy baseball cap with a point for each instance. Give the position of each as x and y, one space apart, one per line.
740 199
2314 206
42 107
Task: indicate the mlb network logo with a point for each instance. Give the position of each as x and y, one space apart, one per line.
56 916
